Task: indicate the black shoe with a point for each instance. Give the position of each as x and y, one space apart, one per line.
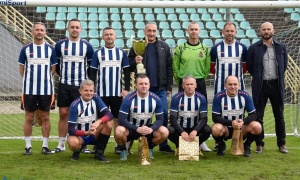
47 151
99 156
85 150
166 149
117 151
28 151
75 156
221 148
247 150
259 149
216 147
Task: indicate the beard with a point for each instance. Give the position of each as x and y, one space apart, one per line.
267 37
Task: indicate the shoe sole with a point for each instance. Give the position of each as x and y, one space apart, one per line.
166 152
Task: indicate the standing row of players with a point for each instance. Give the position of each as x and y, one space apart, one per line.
74 59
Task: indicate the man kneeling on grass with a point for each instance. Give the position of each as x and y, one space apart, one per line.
84 128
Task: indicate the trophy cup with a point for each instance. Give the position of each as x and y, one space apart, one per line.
139 47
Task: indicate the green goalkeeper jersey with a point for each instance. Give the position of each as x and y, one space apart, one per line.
191 60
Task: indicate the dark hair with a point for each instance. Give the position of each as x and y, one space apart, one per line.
140 76
75 20
229 23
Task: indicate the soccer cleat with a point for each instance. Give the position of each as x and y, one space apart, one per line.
259 149
247 150
85 150
151 154
216 147
75 156
204 147
166 149
99 155
47 151
59 149
28 151
123 155
129 146
117 150
221 148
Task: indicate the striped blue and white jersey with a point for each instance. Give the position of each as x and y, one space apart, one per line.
232 108
109 62
228 59
38 61
188 108
83 114
73 60
139 110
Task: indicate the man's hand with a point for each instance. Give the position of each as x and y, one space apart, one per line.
237 124
138 59
124 93
185 136
144 130
192 136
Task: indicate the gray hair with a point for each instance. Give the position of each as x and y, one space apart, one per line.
86 82
188 77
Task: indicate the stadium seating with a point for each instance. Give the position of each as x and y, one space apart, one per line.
171 43
161 17
172 17
62 9
246 42
60 25
149 17
94 43
61 16
210 25
83 34
206 17
147 11
178 33
240 34
93 25
82 17
217 17
207 42
50 16
139 25
103 17
103 24
115 17
245 25
93 17
41 9
125 10
295 17
71 15
181 41
203 34
195 17
84 25
51 9
126 17
158 10
129 33
82 10
116 25
250 33
92 10
218 40
128 25
183 17
102 10
175 25
72 9
119 43
138 17
215 33
220 25
163 25
166 33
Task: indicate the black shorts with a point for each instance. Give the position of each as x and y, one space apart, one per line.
230 130
66 94
113 103
133 135
34 102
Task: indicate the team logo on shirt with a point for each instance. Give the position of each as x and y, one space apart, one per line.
201 54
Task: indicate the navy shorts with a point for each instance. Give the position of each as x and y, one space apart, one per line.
230 130
34 102
88 140
66 94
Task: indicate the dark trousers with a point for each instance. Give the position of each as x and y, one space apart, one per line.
174 135
201 86
270 90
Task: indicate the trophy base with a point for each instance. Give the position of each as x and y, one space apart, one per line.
141 72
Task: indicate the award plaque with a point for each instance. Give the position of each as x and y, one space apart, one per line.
139 47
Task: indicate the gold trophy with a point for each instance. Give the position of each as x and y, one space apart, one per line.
139 47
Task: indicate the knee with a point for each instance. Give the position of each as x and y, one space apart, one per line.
120 131
256 126
73 143
108 125
163 132
217 130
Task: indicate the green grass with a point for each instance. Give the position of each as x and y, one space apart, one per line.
269 165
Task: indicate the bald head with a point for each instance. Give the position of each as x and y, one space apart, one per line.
267 31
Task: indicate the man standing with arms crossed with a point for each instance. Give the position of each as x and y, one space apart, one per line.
37 65
192 58
266 62
157 61
109 61
74 56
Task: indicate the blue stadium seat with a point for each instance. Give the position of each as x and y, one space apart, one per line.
136 10
126 17
288 10
171 43
140 34
41 9
157 34
231 17
147 11
102 10
119 43
217 17
125 10
250 33
190 11
67 34
103 24
114 10
61 16
103 17
185 24
175 25
239 17
210 25
195 17
220 25
236 24
82 17
92 10
158 10
240 34
295 17
178 33
181 41
71 16
218 40
115 17
94 43
140 25
166 33
83 34
299 24
163 25
116 25
180 10
208 43
93 25
206 17
128 33
51 9
297 10
60 25
119 33
72 9
128 25
222 10
149 17
82 10
138 17
102 43
93 33
83 24
172 17
245 25
183 17
215 34
50 16
62 9
245 42
254 40
202 10
161 17
234 10
93 17
169 10
212 10
128 43
203 34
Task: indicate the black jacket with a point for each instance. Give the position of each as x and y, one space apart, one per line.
164 61
255 66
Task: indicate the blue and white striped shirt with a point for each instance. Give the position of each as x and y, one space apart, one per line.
73 57
228 59
109 62
38 61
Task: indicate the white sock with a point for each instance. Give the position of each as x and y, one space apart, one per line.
62 141
28 141
45 142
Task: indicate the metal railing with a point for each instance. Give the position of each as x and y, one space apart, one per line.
292 78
